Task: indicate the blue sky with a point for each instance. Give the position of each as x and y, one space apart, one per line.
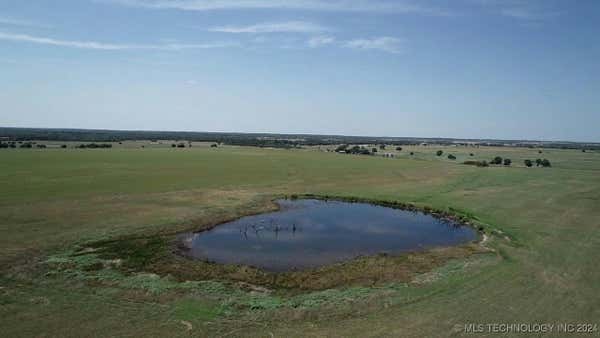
464 68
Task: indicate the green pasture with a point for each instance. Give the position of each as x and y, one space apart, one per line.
543 226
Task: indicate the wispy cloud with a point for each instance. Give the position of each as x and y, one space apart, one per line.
396 6
273 27
19 22
384 43
319 41
528 13
108 46
524 10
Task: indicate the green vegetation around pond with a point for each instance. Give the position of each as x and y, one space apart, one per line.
541 223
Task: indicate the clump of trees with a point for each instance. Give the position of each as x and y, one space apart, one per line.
497 160
341 148
356 150
9 144
451 157
542 162
94 145
538 163
439 153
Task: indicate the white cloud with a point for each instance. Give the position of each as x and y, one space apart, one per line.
319 41
384 43
106 46
273 27
396 6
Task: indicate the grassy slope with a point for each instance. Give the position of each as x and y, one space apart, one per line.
51 199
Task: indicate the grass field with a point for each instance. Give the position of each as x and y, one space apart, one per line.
544 227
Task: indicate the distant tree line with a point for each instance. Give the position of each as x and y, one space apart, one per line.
262 139
94 145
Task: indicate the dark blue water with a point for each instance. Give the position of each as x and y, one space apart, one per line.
311 233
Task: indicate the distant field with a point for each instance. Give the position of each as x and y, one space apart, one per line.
543 270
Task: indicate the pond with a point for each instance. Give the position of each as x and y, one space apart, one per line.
308 233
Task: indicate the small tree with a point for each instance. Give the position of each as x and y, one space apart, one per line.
451 157
398 148
497 160
411 153
439 153
546 163
214 145
471 154
539 151
374 150
382 146
538 162
507 161
528 163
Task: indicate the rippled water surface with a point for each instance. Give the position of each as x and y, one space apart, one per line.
311 233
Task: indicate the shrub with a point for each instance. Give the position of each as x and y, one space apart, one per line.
528 163
411 153
374 150
181 145
64 146
382 146
507 161
471 154
477 163
439 153
539 151
451 157
497 160
214 145
546 163
538 162
398 148
173 145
